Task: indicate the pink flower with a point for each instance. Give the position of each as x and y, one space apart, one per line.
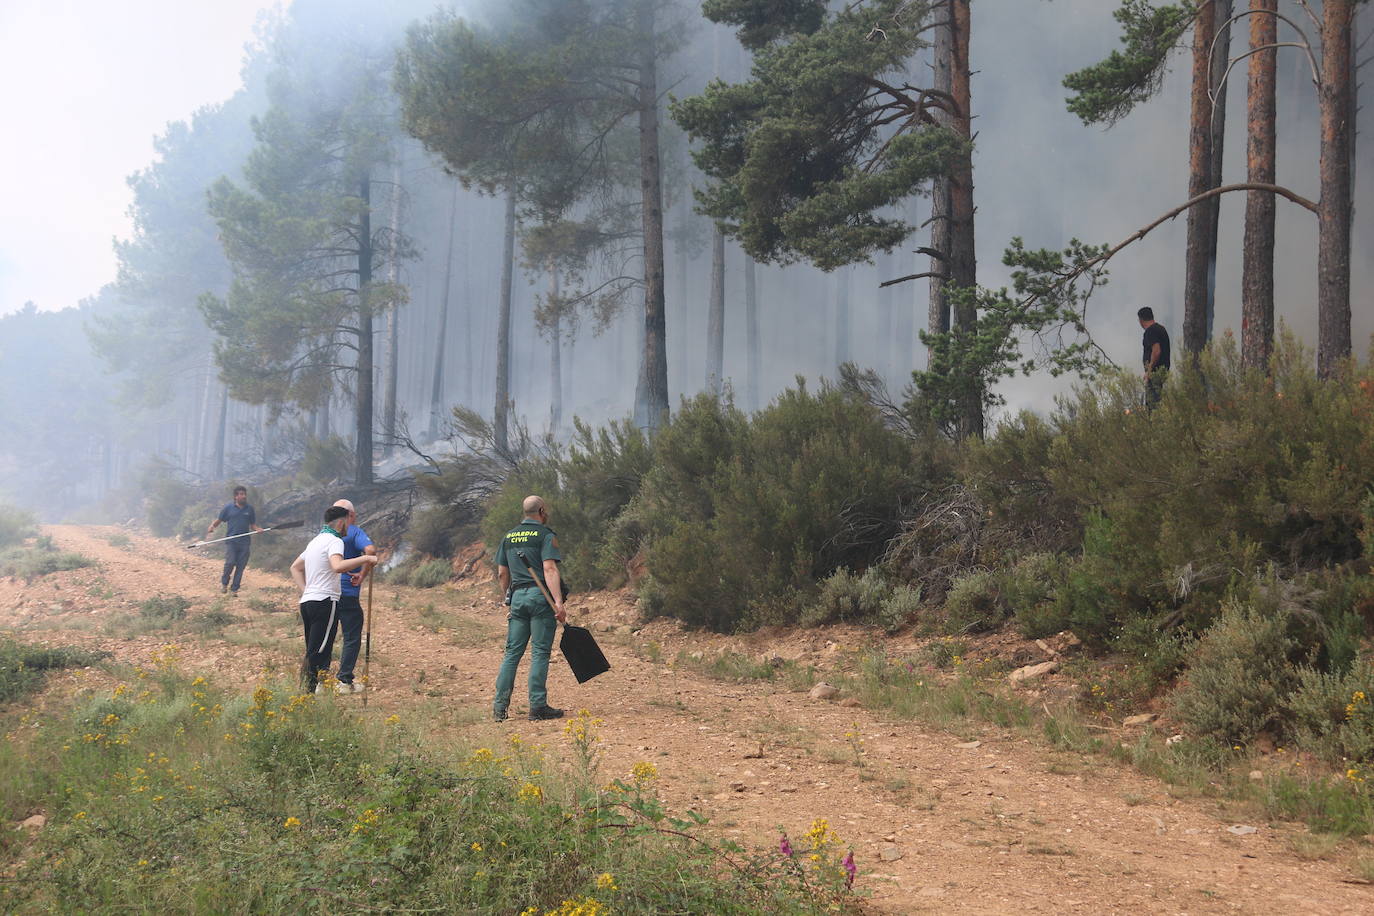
850 870
785 847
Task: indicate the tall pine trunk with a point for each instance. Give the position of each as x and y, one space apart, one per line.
963 263
651 390
937 319
436 390
842 278
362 456
500 427
1220 58
1257 284
393 348
1199 278
221 432
751 334
715 316
555 356
1334 210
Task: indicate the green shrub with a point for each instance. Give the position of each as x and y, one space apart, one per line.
22 667
976 603
422 573
326 460
16 525
1028 587
900 608
1238 676
741 509
1333 712
847 598
166 499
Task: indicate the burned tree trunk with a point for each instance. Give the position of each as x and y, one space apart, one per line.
1257 283
1335 206
1216 83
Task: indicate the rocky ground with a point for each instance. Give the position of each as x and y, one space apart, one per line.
982 821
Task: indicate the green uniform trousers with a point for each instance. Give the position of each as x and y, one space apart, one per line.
531 621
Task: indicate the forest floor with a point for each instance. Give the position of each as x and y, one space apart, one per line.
938 823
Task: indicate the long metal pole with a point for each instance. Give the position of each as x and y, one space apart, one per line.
367 643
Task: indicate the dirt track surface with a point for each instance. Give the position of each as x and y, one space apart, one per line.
1007 826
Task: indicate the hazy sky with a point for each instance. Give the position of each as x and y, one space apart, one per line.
88 84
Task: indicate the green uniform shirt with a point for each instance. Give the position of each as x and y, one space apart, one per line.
537 542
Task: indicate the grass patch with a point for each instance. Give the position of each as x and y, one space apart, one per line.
29 563
182 798
119 539
738 667
23 667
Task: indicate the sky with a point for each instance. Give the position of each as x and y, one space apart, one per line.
89 84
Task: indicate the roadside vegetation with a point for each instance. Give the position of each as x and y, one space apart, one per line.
1212 555
165 793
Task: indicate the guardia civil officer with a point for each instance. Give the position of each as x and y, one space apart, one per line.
530 620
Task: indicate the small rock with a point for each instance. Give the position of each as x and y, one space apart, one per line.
824 691
1257 776
624 630
1172 740
932 891
36 822
754 755
1143 719
969 745
890 854
850 703
737 787
1242 829
1030 672
1046 648
890 838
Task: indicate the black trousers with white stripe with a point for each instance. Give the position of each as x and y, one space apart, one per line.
318 619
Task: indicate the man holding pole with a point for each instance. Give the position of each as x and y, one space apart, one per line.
536 607
240 518
356 543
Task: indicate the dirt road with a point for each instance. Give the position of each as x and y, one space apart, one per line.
1008 826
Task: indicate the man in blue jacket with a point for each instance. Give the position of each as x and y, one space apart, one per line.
356 543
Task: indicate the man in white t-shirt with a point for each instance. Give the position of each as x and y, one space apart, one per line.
317 572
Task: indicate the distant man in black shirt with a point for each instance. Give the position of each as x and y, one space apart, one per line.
1154 355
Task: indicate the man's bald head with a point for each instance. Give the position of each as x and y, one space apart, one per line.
533 505
345 504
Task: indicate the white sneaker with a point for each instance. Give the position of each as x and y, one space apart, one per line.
319 690
343 689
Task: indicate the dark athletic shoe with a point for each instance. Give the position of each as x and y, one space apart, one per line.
499 716
545 712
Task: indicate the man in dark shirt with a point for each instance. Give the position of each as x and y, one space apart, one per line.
1154 355
239 518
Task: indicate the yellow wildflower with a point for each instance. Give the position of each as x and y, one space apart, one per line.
292 821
